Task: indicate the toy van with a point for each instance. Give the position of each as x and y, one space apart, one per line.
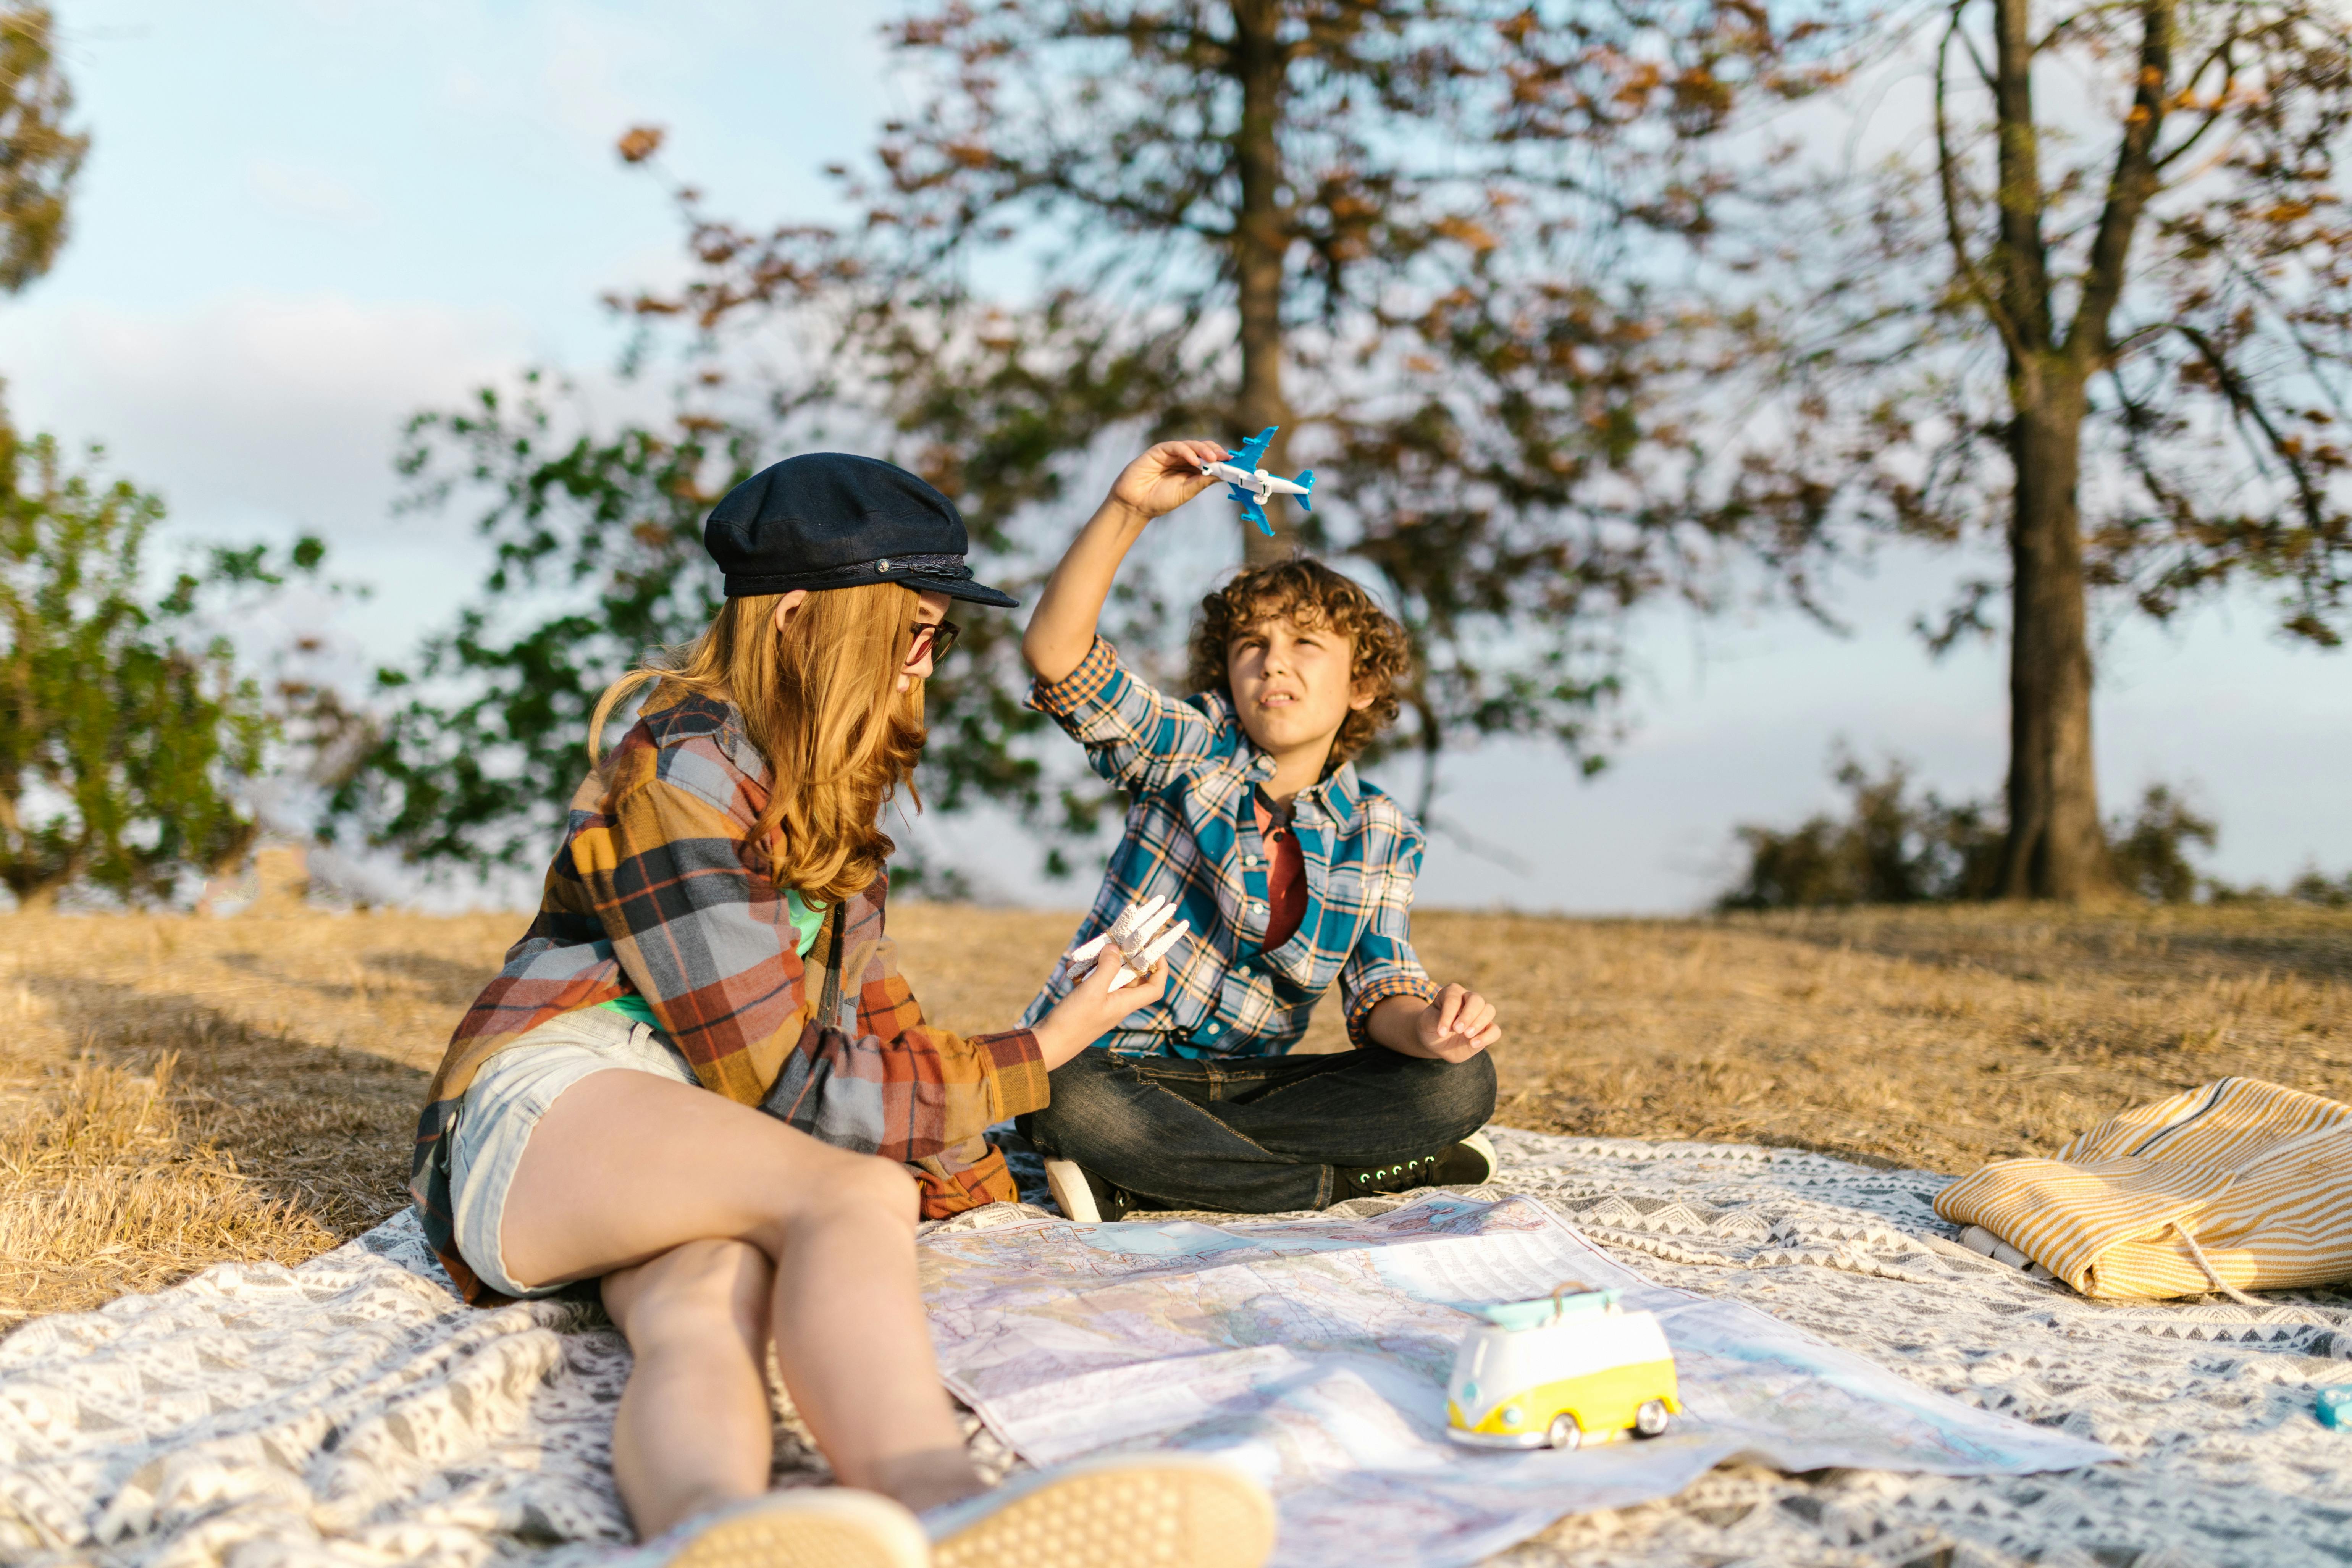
1570 1369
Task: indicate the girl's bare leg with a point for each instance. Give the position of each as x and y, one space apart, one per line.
693 1428
626 1167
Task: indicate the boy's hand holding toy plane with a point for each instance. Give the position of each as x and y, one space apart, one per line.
1252 486
1174 472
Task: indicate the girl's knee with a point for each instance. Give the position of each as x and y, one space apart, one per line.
885 1184
827 1185
866 1184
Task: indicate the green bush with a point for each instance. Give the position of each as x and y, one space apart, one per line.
1891 847
2150 850
2314 888
126 732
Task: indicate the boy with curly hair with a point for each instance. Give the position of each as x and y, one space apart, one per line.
1245 809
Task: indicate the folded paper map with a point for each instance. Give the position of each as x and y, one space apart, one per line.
1314 1354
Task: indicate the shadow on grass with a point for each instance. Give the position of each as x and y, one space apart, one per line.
2026 944
328 1128
445 981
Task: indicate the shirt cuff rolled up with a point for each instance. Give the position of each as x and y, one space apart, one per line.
1017 1068
1081 685
1360 1006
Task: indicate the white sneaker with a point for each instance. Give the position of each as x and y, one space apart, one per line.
1462 1156
809 1527
1083 1197
1169 1511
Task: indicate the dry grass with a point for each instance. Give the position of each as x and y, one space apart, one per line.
219 1088
1936 1039
177 1091
102 1190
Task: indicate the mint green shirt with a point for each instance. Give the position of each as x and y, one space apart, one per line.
806 921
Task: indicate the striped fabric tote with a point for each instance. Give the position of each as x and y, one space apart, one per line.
2239 1186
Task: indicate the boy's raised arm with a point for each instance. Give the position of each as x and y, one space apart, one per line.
1158 482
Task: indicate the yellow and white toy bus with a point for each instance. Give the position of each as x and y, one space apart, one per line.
1571 1368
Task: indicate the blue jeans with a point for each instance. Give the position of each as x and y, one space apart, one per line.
1255 1134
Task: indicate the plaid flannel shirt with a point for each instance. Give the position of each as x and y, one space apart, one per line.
1189 771
657 890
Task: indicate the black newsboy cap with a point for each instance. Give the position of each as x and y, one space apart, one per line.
829 519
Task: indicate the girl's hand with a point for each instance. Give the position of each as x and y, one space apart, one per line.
1092 1009
1165 477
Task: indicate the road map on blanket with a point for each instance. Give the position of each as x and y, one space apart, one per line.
1314 1354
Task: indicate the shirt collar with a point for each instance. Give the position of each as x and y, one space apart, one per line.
1335 797
735 739
673 714
1333 800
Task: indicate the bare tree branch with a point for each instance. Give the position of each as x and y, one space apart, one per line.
2244 402
1948 183
2129 190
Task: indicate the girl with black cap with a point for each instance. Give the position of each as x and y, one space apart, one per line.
679 1085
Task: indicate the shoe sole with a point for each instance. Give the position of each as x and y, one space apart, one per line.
1160 1511
819 1528
1071 1195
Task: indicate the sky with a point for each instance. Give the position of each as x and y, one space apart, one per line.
304 220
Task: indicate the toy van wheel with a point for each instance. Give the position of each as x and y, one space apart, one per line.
1652 1419
1564 1433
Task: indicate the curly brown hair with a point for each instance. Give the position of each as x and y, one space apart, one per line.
1308 594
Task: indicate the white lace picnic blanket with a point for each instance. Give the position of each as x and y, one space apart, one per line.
351 1412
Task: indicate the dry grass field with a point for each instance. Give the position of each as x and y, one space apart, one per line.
176 1091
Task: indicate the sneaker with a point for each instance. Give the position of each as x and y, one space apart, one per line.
1084 1197
1465 1164
809 1527
1469 1163
1173 1510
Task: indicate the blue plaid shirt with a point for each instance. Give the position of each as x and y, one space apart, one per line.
1189 773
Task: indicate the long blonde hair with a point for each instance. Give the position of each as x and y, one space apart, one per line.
820 703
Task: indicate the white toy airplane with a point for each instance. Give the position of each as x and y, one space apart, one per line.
1136 937
1251 485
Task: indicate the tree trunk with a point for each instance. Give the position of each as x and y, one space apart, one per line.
2056 848
1261 244
36 892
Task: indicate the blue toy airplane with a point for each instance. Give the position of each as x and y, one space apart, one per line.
1251 485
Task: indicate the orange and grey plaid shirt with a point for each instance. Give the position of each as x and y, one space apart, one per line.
659 891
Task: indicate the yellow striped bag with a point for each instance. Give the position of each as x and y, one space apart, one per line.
2239 1186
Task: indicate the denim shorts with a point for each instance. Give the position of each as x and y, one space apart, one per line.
505 1101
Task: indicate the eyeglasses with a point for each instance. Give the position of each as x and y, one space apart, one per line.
939 635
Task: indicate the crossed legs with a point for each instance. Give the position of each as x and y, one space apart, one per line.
1259 1134
718 1229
